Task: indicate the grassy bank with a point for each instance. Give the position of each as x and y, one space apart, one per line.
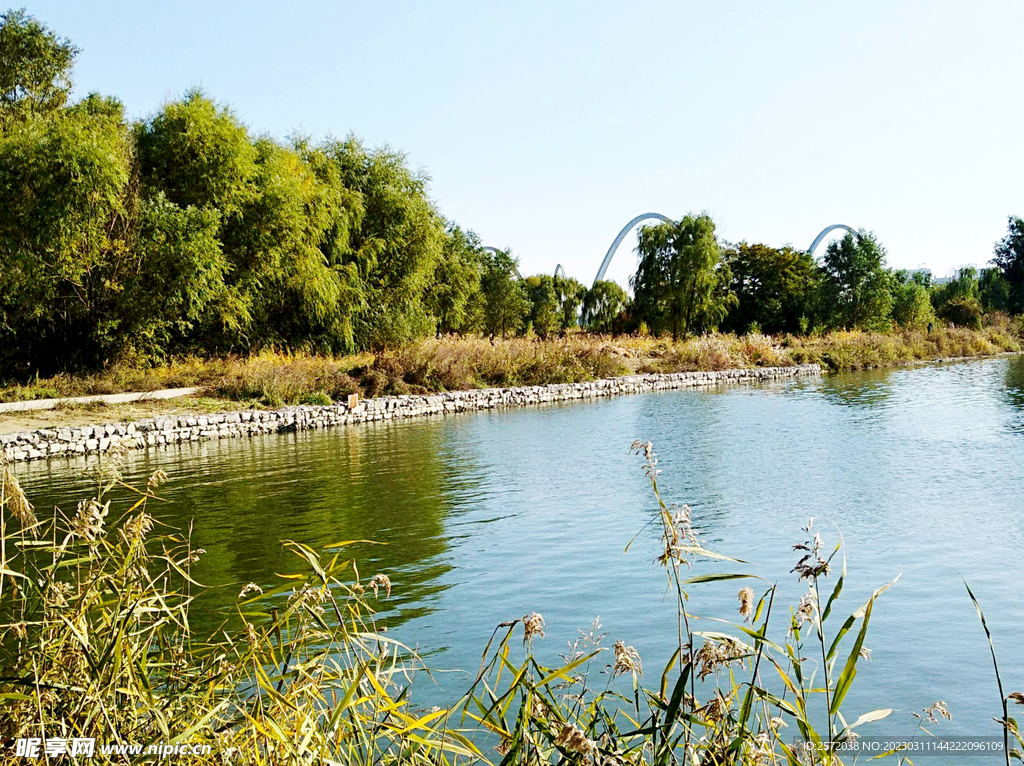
95 642
455 363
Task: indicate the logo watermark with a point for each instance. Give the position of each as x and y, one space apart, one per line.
957 747
86 747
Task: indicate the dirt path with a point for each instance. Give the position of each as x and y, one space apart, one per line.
98 413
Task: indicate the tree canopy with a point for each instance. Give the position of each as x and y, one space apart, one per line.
774 287
1009 259
856 286
681 283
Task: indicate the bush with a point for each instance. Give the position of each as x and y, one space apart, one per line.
962 312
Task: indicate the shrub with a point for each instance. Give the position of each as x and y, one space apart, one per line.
962 312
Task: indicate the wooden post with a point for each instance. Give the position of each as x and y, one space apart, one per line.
353 401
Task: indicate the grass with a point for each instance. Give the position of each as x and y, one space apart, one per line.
455 363
96 642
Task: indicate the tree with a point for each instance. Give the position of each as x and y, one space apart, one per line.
856 288
570 294
911 305
35 69
962 312
178 274
994 290
285 224
681 284
198 153
506 303
604 307
454 298
282 279
1009 258
962 287
774 287
68 210
545 307
395 244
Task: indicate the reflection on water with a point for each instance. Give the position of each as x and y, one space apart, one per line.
489 516
246 496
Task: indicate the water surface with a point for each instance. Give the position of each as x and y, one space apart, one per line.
488 516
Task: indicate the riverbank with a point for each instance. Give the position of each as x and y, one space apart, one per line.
89 439
273 379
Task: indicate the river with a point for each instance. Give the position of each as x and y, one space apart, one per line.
488 516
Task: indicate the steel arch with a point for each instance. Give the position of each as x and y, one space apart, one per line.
618 241
826 231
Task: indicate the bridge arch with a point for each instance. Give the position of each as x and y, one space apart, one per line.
514 267
621 236
559 271
828 230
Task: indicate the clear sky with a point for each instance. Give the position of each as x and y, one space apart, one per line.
546 126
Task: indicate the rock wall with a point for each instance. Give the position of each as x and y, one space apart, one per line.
36 445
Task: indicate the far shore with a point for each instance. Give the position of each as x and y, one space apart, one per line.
270 380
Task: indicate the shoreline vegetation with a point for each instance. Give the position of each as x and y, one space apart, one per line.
437 365
96 643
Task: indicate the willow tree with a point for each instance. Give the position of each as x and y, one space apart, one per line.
681 283
454 298
545 307
571 293
396 244
911 304
604 307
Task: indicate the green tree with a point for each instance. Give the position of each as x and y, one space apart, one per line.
681 284
570 295
605 306
178 273
856 287
283 281
68 210
35 69
285 223
962 287
395 245
1009 258
506 304
545 307
774 287
911 304
454 299
198 153
994 290
962 312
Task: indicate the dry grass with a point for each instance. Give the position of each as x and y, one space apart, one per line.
858 350
458 363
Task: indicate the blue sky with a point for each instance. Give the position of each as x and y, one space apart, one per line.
546 126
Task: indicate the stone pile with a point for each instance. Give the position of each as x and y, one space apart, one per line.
174 429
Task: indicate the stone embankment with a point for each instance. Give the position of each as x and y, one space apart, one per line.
174 429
